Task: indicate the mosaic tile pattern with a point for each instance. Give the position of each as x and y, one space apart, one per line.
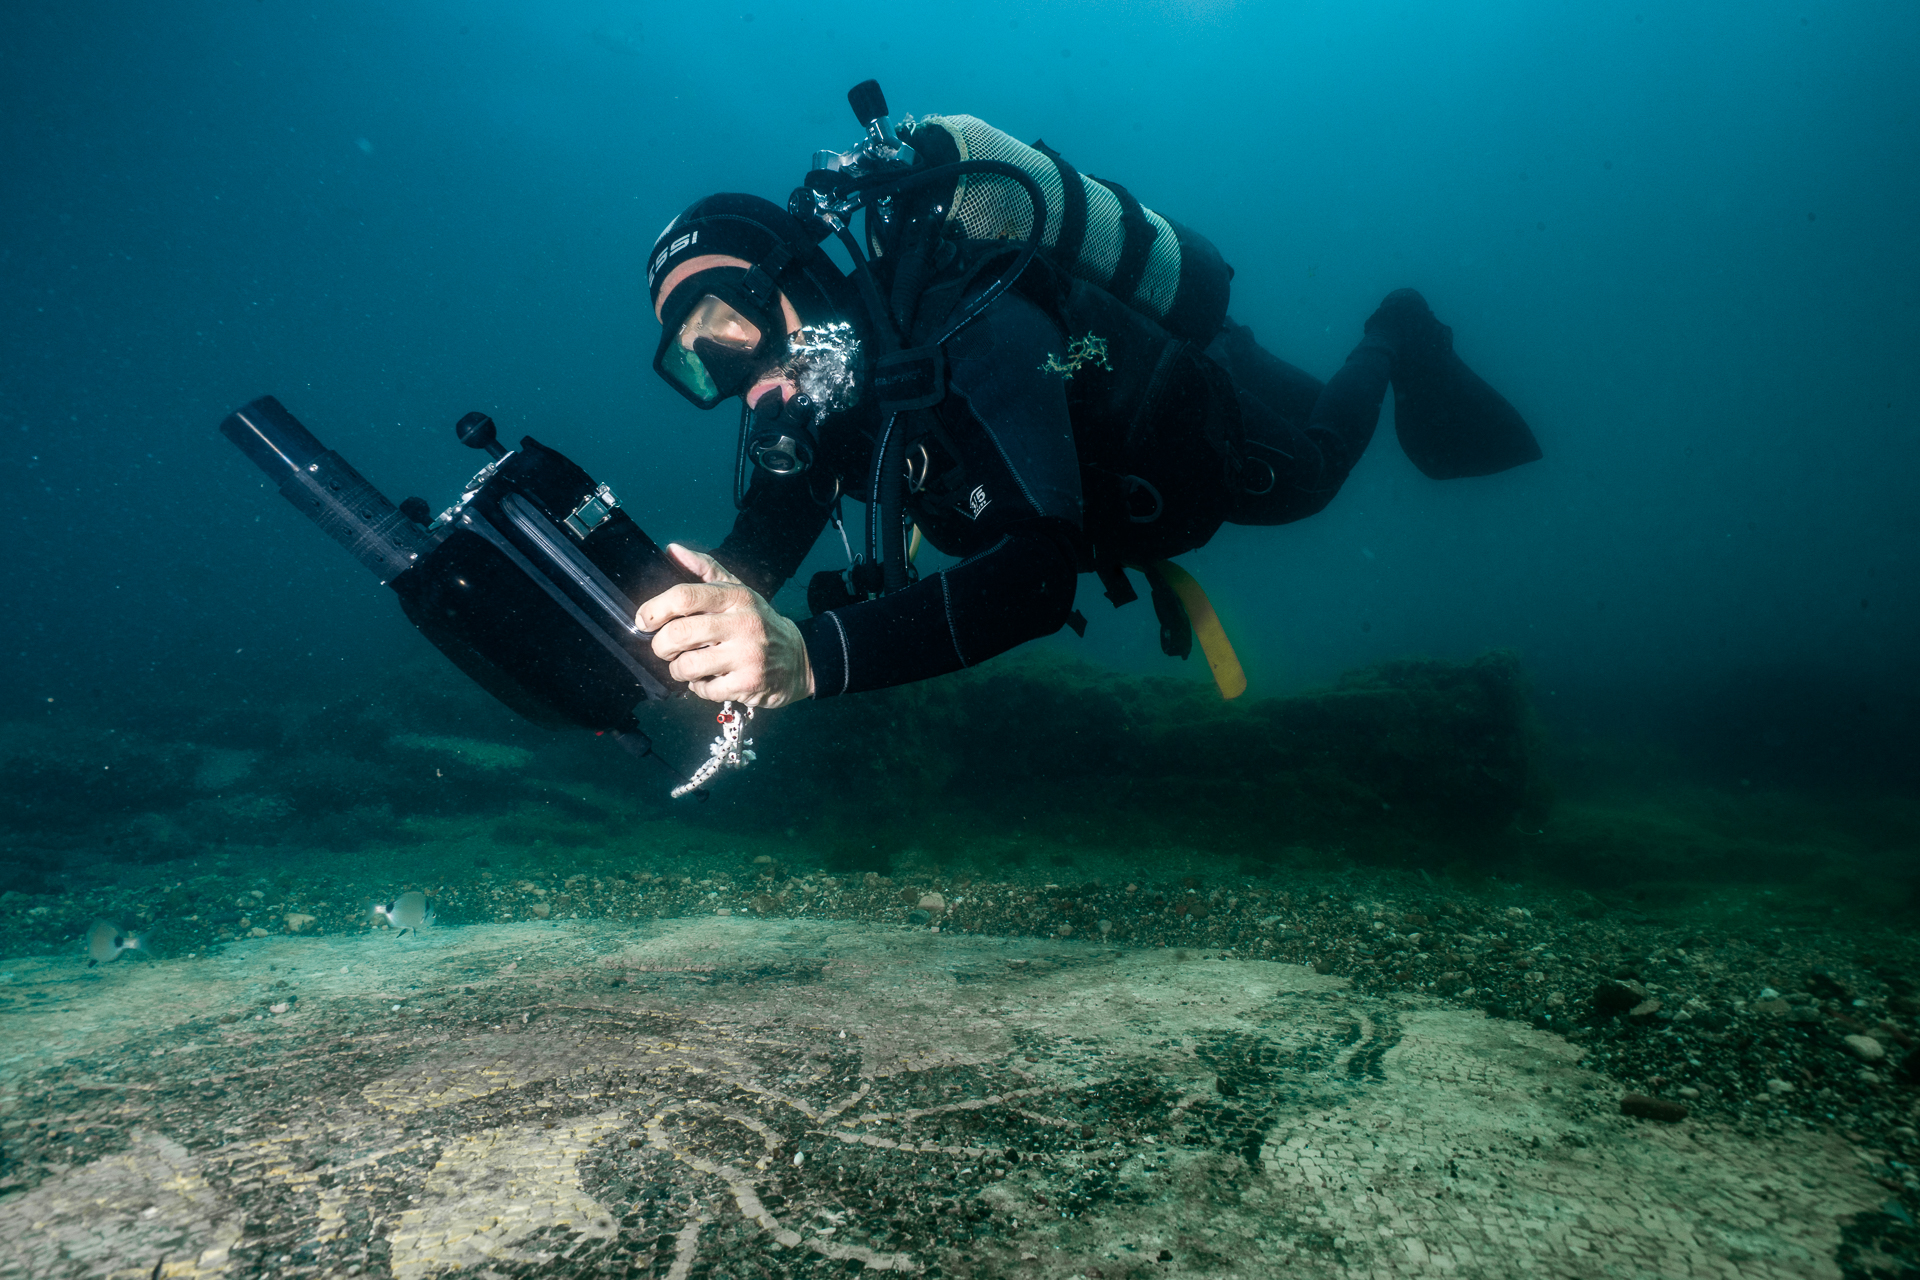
737 1098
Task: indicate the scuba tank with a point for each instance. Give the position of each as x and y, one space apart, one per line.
1095 230
984 185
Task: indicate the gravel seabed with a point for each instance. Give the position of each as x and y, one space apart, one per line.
1714 1004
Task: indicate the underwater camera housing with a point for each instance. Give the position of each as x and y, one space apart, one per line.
530 582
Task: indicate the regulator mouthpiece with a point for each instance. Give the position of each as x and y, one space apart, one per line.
780 438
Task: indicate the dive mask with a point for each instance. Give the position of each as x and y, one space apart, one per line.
717 338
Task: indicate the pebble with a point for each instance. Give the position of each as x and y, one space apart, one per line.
539 910
933 904
1822 983
1773 1005
1777 1085
1644 1011
1688 1092
1641 1107
1617 996
298 922
1865 1048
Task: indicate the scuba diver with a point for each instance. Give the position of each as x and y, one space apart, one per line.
1027 367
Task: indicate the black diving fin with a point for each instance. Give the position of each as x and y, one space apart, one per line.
1451 423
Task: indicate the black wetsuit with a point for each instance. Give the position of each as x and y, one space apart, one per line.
1009 488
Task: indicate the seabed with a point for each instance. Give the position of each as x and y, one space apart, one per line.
1039 971
738 1097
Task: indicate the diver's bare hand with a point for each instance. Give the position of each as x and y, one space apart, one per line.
724 641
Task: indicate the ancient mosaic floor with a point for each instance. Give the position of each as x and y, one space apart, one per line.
740 1098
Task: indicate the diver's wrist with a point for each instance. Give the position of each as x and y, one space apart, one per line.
789 669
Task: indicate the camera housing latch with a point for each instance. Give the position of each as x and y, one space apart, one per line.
592 512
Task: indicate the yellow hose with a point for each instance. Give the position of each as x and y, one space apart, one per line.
1206 628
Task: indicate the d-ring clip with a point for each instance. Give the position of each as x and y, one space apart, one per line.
1272 477
916 481
1136 485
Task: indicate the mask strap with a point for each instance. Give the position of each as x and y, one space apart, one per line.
760 277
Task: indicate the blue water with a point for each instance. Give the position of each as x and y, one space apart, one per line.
1680 238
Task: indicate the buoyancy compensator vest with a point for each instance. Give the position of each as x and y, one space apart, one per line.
950 201
1155 422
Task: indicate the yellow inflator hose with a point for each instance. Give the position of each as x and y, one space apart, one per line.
1206 628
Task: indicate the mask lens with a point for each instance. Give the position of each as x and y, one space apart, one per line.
714 319
714 353
688 372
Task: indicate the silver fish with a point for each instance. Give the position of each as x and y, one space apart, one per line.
105 941
408 911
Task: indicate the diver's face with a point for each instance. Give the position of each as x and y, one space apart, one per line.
692 266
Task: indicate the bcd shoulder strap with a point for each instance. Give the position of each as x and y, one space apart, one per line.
915 378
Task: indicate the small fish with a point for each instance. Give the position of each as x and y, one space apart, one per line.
408 911
105 942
